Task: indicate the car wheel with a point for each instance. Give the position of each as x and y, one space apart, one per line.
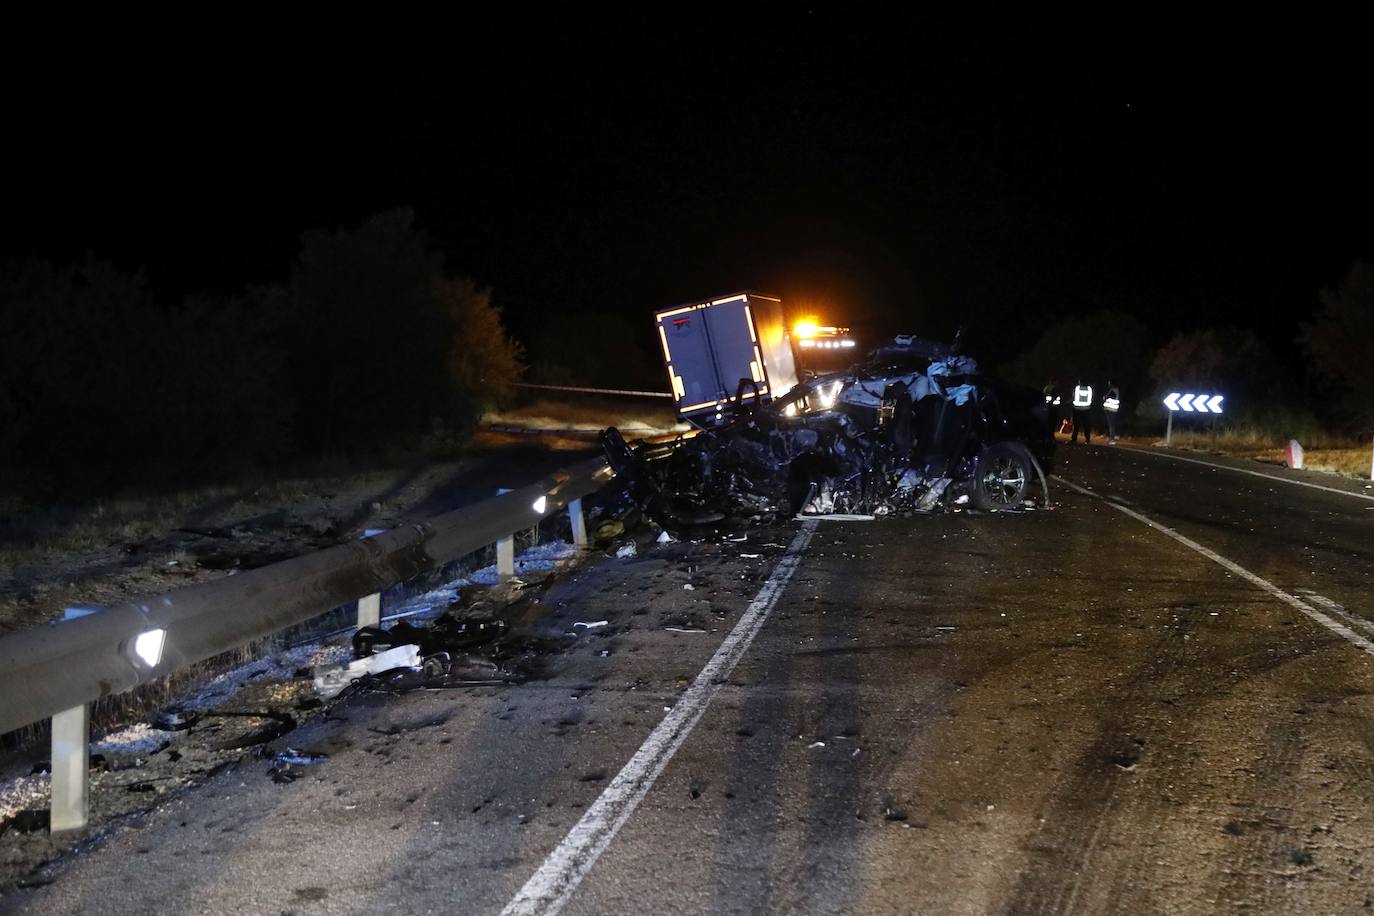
1003 475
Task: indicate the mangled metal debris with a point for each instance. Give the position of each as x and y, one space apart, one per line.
329 682
916 429
449 652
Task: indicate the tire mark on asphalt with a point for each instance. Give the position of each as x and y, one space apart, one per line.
549 889
1082 812
1325 620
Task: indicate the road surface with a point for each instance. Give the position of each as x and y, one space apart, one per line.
1065 711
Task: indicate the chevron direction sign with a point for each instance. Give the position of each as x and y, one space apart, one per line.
1194 403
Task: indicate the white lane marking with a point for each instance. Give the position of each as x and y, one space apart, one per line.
1227 467
1339 610
1334 626
550 888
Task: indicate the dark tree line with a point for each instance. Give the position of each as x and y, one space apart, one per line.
1262 390
370 346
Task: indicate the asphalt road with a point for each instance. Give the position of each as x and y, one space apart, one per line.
1056 711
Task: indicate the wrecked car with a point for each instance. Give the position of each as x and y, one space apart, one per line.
915 429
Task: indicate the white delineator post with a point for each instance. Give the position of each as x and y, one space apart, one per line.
579 524
1169 429
505 557
505 548
370 610
71 760
1371 461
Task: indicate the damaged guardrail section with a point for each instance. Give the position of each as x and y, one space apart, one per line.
56 671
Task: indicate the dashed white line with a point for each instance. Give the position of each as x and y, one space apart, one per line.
1227 467
550 888
1325 620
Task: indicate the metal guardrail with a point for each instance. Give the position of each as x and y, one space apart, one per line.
57 671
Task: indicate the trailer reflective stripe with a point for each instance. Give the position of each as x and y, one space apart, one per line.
678 390
662 315
749 320
691 407
739 298
663 336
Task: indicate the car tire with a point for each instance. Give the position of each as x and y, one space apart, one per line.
1003 477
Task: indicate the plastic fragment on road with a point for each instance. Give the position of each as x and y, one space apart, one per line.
592 625
608 530
689 587
626 550
294 758
814 744
684 629
665 538
751 556
330 681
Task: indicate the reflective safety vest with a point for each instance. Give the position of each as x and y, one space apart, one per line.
1082 397
1112 402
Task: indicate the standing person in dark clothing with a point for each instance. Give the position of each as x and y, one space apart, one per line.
1053 399
1082 413
1111 403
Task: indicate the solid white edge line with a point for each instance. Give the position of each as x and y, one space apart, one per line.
1227 467
1327 604
549 889
1336 627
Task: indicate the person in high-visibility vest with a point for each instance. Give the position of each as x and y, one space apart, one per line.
1082 413
1111 403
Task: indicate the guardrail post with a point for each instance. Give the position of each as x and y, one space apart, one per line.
370 610
505 557
71 759
579 524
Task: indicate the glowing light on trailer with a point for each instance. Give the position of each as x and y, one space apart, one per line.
805 330
540 504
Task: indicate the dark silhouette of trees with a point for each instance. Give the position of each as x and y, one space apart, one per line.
369 347
101 386
483 360
1340 343
599 349
366 338
1095 348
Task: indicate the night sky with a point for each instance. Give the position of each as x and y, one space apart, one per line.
909 173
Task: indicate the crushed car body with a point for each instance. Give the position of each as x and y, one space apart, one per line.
915 429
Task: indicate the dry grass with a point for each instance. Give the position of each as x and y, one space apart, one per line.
641 416
1332 454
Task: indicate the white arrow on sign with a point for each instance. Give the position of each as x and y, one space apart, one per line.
1186 402
1171 401
1214 403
